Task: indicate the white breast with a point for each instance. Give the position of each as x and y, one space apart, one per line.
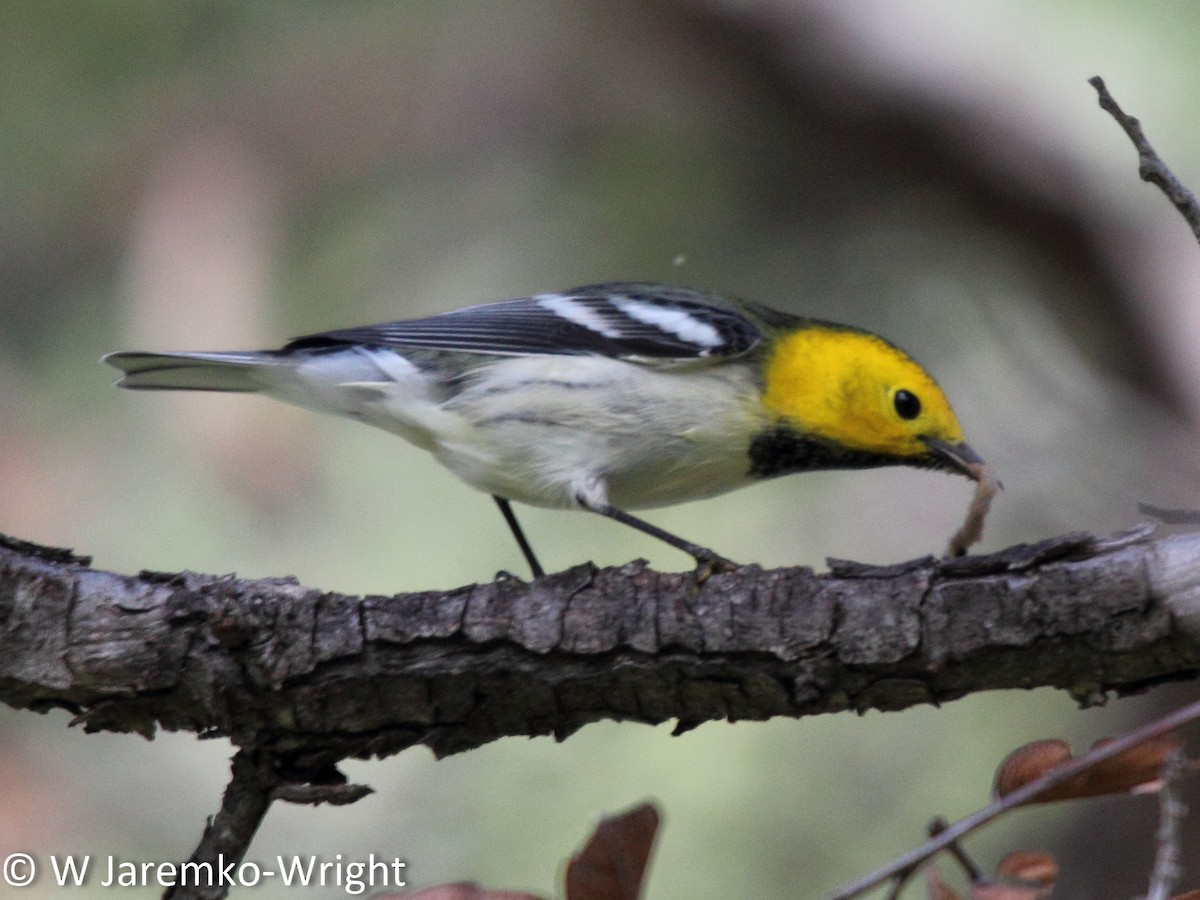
546 429
543 430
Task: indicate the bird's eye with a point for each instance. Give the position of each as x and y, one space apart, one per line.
907 405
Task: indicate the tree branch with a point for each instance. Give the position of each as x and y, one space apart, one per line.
1168 862
301 679
315 677
947 836
228 834
1151 168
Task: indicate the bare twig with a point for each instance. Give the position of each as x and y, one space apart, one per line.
1151 168
936 826
1167 861
899 882
1051 779
974 873
260 777
229 833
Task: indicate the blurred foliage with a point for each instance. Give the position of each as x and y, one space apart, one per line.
199 172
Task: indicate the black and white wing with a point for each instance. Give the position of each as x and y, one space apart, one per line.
620 320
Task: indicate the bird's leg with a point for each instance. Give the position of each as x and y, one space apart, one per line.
704 557
511 518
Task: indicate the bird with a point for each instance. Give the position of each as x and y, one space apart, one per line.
607 397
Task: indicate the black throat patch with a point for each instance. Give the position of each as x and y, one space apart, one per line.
783 450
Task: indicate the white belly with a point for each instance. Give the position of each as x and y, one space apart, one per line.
545 430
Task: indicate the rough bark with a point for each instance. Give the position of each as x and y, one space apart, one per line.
317 677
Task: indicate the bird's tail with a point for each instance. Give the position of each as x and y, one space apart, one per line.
243 372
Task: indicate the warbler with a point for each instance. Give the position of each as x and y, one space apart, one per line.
608 397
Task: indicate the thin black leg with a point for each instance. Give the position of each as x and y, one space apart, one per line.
511 518
702 555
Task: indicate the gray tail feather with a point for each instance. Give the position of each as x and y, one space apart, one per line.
191 371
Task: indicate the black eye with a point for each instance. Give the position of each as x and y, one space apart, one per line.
907 405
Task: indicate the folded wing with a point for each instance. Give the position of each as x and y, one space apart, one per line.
620 320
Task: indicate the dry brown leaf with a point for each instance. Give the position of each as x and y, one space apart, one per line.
971 530
1008 892
461 890
1028 763
613 862
1030 866
1021 875
1136 769
1190 895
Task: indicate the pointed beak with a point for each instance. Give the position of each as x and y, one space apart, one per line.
956 458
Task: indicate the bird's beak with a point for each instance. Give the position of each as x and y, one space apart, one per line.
956 457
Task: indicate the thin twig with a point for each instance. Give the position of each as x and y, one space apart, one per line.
229 833
1023 795
898 884
936 826
974 873
1151 168
1172 811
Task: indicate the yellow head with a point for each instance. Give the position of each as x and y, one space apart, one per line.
864 401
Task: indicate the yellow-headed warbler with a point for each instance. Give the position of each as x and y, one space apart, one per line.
609 397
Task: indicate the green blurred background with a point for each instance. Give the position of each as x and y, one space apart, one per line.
221 175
